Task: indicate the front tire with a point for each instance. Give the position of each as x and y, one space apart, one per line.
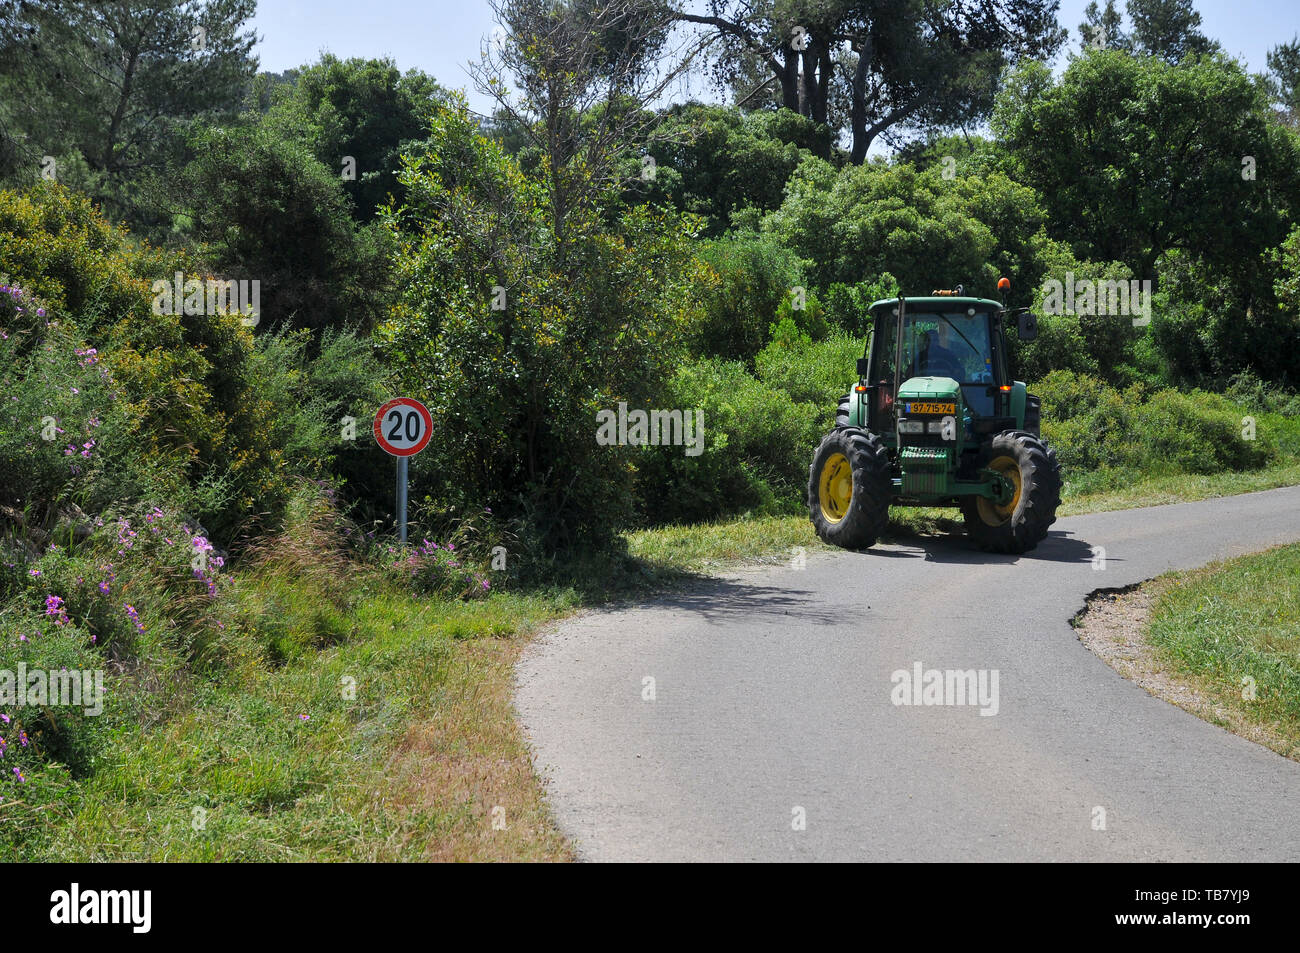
1022 523
849 488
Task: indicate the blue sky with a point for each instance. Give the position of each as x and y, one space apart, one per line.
440 37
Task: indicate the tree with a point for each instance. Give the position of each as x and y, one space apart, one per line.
1103 29
116 82
918 63
716 160
586 75
515 335
1134 157
265 209
1284 78
355 116
856 223
1169 29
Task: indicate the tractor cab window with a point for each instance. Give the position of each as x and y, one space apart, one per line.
952 345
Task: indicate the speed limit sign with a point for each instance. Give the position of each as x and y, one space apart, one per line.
403 427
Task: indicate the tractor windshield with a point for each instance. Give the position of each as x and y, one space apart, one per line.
951 344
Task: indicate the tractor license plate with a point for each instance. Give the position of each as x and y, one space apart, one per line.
931 407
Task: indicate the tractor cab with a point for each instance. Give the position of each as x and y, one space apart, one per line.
956 339
943 337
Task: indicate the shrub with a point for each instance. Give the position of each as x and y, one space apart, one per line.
1094 427
270 211
818 372
178 397
757 444
1198 433
846 305
592 317
755 277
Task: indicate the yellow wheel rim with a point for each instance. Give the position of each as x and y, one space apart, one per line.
993 513
835 487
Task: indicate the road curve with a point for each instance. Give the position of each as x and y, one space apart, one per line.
772 702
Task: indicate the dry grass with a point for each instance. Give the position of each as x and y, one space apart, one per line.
472 755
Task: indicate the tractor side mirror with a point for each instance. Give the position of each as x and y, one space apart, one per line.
863 367
1027 328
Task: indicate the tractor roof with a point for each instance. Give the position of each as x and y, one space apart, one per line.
944 302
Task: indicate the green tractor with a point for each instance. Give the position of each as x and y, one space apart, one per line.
935 420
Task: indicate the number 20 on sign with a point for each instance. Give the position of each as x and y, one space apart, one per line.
403 427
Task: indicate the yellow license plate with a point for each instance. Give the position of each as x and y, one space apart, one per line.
930 407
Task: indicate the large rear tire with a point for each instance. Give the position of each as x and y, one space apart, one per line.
849 488
1022 523
842 411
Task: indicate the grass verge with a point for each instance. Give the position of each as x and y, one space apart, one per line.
397 743
1234 627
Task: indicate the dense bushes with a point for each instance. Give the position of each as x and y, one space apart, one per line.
754 277
1095 427
517 328
860 222
715 161
815 372
189 408
266 209
756 445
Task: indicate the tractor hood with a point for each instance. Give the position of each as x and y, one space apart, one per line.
925 390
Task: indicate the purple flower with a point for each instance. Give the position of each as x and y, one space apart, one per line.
134 616
54 607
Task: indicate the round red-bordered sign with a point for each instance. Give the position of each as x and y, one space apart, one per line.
403 427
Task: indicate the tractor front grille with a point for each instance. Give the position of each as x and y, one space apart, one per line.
926 470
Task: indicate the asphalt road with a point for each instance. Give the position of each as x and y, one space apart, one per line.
774 700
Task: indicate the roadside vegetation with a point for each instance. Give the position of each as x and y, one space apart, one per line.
1235 628
190 499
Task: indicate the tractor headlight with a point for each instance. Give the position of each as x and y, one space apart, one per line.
934 426
911 426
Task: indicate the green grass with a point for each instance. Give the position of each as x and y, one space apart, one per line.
1235 621
1100 492
410 767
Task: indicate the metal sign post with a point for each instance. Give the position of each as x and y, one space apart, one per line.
401 499
402 428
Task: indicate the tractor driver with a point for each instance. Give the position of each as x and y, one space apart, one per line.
936 358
